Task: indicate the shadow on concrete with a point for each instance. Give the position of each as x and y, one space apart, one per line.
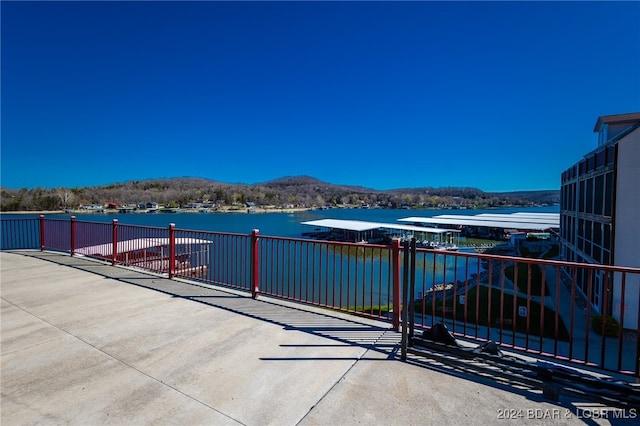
382 343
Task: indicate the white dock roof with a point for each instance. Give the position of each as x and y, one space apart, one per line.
349 225
360 225
536 214
523 224
553 221
134 245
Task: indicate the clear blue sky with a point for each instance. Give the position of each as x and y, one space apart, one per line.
500 96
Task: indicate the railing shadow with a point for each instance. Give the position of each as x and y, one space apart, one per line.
308 320
380 343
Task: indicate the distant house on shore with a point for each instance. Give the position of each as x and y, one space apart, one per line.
92 207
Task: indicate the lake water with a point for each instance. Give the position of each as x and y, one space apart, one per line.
370 275
274 224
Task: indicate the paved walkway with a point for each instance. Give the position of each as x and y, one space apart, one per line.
87 343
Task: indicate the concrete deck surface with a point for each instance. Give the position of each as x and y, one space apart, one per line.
85 343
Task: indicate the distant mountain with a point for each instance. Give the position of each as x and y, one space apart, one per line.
301 181
294 180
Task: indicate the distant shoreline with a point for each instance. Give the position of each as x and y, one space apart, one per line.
225 209
234 209
36 212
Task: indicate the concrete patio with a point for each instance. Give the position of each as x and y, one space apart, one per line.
85 343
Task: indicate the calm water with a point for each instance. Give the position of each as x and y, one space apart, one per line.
359 274
274 224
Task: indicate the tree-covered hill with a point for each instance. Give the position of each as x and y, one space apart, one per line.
293 191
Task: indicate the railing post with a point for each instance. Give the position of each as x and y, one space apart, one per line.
73 235
410 296
41 232
405 303
395 268
114 253
172 250
255 288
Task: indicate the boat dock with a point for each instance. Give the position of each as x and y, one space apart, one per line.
358 231
438 232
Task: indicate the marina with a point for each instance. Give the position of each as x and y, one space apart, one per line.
495 226
529 222
444 235
357 231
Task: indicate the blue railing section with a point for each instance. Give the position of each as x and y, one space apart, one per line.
17 234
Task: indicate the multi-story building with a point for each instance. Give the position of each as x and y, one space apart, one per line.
600 213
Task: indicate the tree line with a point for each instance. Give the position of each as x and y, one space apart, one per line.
299 191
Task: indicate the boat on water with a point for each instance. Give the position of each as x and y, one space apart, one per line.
436 245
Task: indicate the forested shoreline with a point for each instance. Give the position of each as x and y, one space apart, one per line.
288 192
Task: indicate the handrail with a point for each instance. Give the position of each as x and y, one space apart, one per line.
540 306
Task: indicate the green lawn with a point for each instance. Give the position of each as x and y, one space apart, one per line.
554 251
381 310
523 276
484 318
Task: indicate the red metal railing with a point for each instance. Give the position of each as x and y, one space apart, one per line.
215 258
539 306
55 234
354 278
534 305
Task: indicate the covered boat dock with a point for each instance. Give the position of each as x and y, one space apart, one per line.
191 256
359 231
493 224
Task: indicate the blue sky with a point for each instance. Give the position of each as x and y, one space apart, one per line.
499 96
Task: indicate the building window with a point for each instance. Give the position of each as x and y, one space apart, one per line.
601 159
581 228
608 194
589 197
611 154
599 195
572 234
597 233
597 253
